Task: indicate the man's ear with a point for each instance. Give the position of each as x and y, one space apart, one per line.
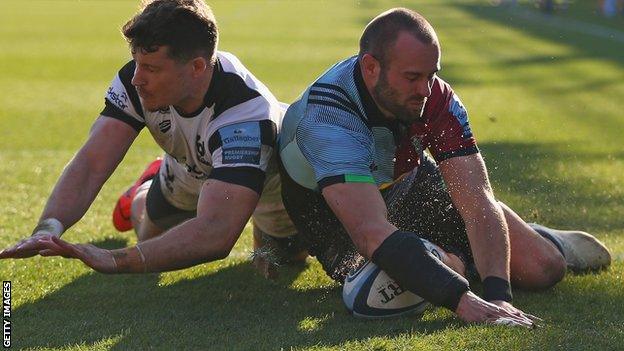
199 65
370 67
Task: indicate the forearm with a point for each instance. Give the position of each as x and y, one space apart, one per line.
186 245
73 193
489 240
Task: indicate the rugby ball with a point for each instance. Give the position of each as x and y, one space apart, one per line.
369 292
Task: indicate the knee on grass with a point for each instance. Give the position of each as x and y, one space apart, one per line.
542 272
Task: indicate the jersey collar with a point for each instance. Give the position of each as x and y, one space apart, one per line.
211 95
374 116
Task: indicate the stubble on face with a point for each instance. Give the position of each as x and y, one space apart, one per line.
389 99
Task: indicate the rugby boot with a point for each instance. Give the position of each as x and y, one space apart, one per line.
122 211
581 250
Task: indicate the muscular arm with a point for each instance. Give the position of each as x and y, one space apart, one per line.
82 179
362 211
469 187
222 212
108 142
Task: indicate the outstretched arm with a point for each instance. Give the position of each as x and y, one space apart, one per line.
80 182
468 184
361 210
222 212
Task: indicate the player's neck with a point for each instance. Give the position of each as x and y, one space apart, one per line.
195 100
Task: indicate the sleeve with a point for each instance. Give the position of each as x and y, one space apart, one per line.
241 153
337 153
451 135
122 100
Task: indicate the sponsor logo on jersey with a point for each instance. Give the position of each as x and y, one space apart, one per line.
241 138
119 99
457 109
241 143
241 155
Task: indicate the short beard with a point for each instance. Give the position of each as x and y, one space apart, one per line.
386 97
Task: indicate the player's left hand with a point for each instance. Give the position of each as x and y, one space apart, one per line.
99 259
516 312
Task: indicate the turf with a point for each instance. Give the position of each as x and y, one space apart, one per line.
545 102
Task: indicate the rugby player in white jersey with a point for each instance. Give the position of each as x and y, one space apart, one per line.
217 125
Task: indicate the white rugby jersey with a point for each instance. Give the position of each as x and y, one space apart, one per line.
230 139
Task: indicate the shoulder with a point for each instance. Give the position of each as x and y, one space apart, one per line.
441 93
122 100
333 99
444 103
236 92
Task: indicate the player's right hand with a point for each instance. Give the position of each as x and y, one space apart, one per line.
99 259
27 247
472 308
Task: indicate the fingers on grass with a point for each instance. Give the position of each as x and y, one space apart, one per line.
511 322
534 318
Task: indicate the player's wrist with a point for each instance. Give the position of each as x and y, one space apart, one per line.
129 260
49 226
496 289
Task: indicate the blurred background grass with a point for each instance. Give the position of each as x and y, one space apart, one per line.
544 95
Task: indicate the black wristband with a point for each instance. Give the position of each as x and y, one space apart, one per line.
496 289
405 258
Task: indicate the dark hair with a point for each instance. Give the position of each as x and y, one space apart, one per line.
187 27
382 32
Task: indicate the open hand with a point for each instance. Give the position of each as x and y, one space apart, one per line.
26 248
99 259
472 308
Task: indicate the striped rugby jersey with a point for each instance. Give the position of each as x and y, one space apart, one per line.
336 133
230 138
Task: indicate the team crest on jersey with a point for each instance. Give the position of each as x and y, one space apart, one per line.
120 99
164 126
457 109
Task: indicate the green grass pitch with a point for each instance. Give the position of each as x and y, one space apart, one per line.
545 100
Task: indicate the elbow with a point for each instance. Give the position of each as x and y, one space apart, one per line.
480 208
215 251
216 243
367 237
221 253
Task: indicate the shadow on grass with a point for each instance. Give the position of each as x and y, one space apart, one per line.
233 308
